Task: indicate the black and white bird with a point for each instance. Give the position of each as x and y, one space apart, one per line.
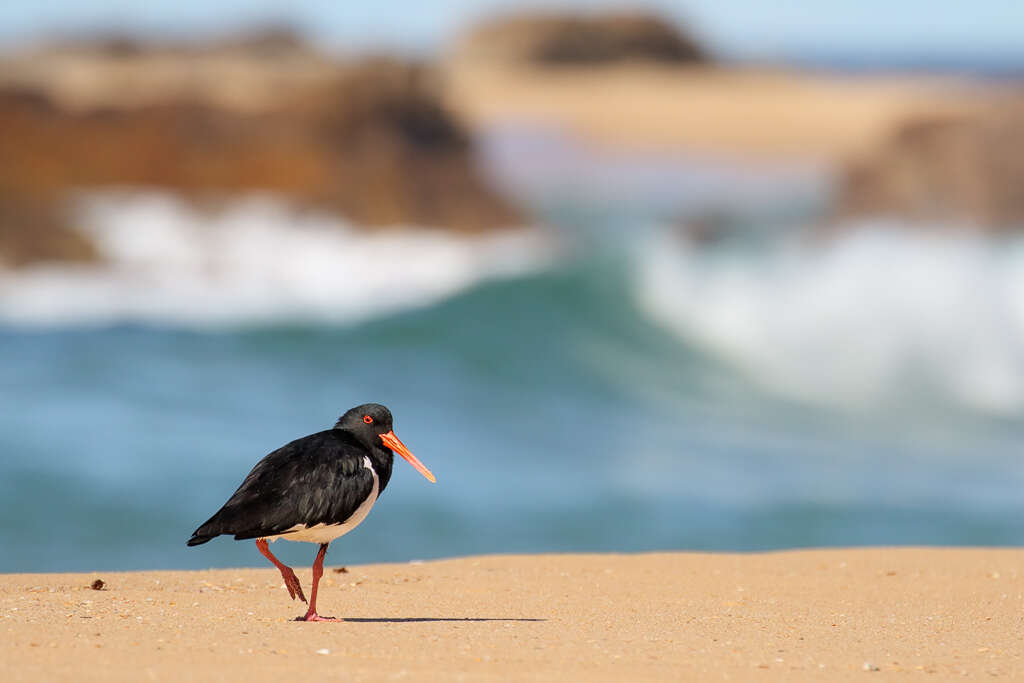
314 489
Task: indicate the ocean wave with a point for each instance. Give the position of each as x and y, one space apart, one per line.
884 316
255 260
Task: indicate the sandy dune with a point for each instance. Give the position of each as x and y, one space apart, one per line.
821 615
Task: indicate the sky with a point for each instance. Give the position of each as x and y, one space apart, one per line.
945 29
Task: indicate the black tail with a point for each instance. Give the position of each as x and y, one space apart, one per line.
204 533
199 540
207 530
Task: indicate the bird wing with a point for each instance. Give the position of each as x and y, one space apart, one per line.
310 481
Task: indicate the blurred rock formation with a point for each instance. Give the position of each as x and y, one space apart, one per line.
578 39
945 170
370 141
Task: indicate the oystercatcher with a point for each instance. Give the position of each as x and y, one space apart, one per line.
313 489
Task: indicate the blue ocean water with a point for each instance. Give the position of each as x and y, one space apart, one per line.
573 405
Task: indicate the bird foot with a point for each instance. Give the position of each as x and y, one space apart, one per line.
291 582
313 616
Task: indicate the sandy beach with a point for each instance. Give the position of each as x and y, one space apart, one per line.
821 615
743 112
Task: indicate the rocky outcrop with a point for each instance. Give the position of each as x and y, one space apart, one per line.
372 143
32 230
966 169
579 39
395 154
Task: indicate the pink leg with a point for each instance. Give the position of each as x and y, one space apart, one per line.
318 571
290 580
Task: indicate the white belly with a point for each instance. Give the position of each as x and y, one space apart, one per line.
325 533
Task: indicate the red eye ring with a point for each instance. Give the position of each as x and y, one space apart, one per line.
367 419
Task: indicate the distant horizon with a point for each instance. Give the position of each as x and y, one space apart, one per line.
866 34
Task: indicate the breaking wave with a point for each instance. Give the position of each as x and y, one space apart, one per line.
882 315
253 261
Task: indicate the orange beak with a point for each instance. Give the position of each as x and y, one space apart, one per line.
392 442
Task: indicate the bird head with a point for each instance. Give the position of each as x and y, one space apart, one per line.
371 424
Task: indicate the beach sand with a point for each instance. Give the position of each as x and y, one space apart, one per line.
741 112
821 615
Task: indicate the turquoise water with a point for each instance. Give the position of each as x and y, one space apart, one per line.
559 409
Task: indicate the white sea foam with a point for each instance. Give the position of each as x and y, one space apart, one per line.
253 261
883 315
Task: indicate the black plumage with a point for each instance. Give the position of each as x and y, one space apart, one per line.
330 478
318 479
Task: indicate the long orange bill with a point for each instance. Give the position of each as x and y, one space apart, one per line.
392 442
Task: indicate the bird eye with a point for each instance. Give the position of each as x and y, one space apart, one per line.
367 419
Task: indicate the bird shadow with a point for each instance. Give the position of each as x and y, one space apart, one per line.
417 620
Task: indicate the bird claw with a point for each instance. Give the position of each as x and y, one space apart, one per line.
316 617
291 582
